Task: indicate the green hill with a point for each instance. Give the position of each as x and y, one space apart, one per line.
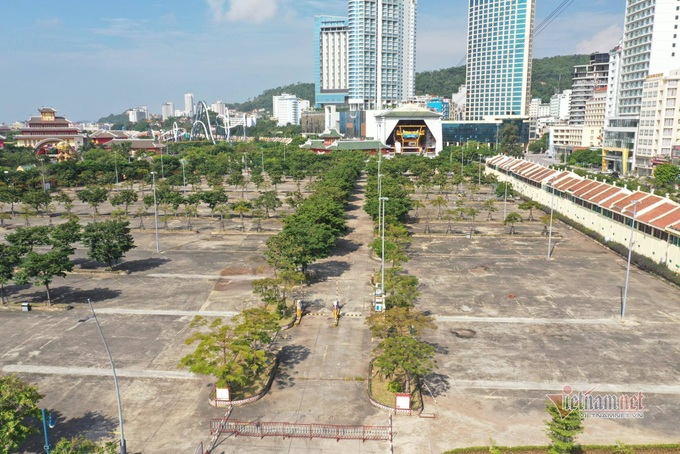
264 100
549 75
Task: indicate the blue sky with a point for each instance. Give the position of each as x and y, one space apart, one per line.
88 59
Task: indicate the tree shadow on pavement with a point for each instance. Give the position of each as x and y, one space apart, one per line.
437 385
136 266
70 295
438 348
290 356
320 272
345 247
93 426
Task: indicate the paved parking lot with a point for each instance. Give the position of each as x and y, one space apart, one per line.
512 328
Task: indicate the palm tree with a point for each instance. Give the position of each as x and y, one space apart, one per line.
529 205
223 210
472 212
438 202
490 207
241 208
451 215
512 219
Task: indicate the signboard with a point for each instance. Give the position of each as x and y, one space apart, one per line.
402 401
378 307
223 394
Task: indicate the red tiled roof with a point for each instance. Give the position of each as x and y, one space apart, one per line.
670 219
567 183
540 176
591 190
584 189
604 195
581 184
624 203
657 212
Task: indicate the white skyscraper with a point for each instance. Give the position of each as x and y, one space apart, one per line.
287 109
650 37
189 104
382 52
499 48
168 110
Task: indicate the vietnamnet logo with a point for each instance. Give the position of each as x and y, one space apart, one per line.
597 405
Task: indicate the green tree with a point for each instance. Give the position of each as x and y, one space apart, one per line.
501 188
93 196
510 141
562 428
24 239
269 201
126 197
81 445
108 241
40 269
438 202
214 198
63 236
512 219
18 409
405 358
241 208
36 200
490 207
9 259
233 353
530 205
666 174
399 321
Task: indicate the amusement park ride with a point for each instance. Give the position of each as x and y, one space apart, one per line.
203 127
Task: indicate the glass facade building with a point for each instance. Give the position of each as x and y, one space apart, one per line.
499 51
331 35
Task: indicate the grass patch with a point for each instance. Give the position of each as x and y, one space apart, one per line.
257 385
381 393
585 449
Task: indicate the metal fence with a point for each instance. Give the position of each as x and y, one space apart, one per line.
294 430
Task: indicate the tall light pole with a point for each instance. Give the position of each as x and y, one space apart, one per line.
115 163
479 176
382 260
552 198
42 160
630 253
262 161
184 176
505 198
155 210
123 448
162 169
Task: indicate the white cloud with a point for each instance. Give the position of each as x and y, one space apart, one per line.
601 41
253 11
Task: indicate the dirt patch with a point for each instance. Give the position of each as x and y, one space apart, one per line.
237 271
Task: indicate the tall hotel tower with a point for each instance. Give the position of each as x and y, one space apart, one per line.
382 52
499 48
330 60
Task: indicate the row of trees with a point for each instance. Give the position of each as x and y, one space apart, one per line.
36 255
401 356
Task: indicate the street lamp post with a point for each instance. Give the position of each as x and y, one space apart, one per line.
479 176
155 209
630 253
162 167
552 198
184 176
42 160
505 198
115 163
123 448
47 422
382 260
262 161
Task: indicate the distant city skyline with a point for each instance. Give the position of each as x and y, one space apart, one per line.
88 60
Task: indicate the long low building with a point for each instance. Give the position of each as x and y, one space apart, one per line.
608 210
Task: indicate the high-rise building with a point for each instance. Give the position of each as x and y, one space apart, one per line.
189 104
331 35
650 36
288 108
499 48
167 110
585 79
382 52
559 105
649 47
659 116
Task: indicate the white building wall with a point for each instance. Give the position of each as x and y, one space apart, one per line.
645 244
